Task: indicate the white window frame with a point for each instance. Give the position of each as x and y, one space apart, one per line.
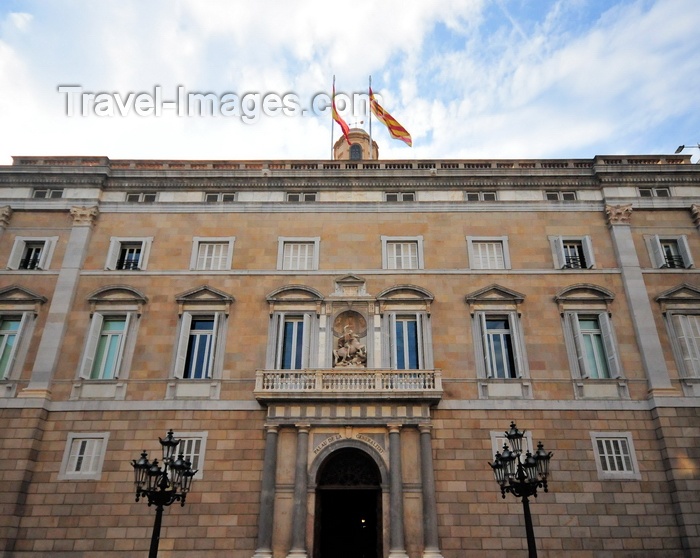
20 247
125 350
48 193
559 253
221 197
483 365
473 255
575 349
423 340
687 354
560 195
481 196
309 356
387 240
18 351
190 439
656 251
301 197
199 241
394 197
68 463
216 353
115 247
143 197
283 241
633 473
654 192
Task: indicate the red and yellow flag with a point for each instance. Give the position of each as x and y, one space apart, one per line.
339 119
395 129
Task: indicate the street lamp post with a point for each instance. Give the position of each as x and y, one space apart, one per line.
522 477
165 486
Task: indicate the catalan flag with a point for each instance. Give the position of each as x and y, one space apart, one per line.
339 119
395 129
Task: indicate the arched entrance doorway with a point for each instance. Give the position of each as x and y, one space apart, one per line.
348 507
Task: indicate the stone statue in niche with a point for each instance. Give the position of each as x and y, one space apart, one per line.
350 328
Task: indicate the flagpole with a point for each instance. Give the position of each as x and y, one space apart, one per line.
332 119
370 117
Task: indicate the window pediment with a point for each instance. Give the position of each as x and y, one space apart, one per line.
117 297
15 297
405 297
204 298
494 297
681 297
584 295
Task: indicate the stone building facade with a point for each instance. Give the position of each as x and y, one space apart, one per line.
341 344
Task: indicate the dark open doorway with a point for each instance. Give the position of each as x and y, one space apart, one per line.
348 507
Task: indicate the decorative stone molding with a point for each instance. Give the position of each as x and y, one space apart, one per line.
84 216
618 214
5 216
695 213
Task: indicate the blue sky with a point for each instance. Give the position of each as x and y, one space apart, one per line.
467 78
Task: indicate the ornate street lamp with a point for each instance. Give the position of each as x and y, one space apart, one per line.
522 476
162 486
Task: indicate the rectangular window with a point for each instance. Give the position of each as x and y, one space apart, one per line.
84 456
480 196
293 343
220 197
46 193
104 347
192 447
572 252
487 255
32 253
654 193
212 253
399 196
498 344
402 255
298 255
670 252
200 348
407 340
301 197
141 198
615 455
593 345
687 332
128 254
407 344
9 335
293 335
555 195
402 252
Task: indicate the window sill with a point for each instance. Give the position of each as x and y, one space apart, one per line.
691 387
609 388
98 389
194 389
512 388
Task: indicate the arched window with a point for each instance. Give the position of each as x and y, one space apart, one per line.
355 152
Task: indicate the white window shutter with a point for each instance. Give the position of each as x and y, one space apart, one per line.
279 327
486 352
182 343
684 250
18 340
122 344
588 251
515 340
420 324
609 344
16 254
559 250
91 345
214 343
657 252
393 342
113 254
571 319
306 341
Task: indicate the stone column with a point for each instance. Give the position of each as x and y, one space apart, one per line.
638 301
431 544
267 494
61 303
299 512
396 534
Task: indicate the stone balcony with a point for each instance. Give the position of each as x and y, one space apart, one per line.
348 384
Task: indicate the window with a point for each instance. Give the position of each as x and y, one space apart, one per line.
128 254
301 196
111 337
407 338
654 193
670 252
399 196
10 329
355 152
192 447
593 344
293 328
480 196
141 197
572 252
32 253
198 345
559 196
48 193
615 456
298 254
84 456
219 197
212 253
497 334
402 252
687 333
488 253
